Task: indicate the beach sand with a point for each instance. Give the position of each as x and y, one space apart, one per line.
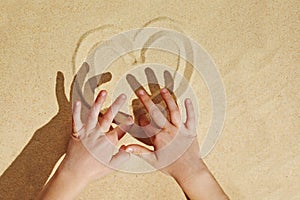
255 45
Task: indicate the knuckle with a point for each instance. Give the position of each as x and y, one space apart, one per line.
161 139
174 110
146 100
175 116
106 118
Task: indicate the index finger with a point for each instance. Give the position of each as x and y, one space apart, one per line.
156 115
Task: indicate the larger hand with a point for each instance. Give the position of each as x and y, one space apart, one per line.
176 150
173 137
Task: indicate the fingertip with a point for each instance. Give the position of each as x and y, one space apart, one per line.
129 149
101 96
103 93
76 105
188 101
188 105
130 120
141 92
190 119
123 96
119 158
164 91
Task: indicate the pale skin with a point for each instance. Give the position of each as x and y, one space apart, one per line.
79 167
189 171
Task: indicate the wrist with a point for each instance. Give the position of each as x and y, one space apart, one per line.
66 173
200 184
188 172
62 185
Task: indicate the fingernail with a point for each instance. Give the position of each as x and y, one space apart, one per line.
77 103
130 120
188 101
103 93
164 90
129 150
123 96
141 92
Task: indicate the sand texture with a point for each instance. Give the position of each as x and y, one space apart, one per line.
255 45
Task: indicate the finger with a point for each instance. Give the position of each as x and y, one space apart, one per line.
111 112
77 123
137 131
60 91
122 128
155 114
134 84
119 158
95 110
151 130
169 81
143 152
153 85
190 115
120 117
172 107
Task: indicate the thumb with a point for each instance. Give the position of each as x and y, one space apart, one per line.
141 151
122 128
119 158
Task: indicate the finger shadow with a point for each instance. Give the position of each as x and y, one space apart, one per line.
139 111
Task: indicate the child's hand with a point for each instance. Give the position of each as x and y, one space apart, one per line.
90 150
176 150
174 141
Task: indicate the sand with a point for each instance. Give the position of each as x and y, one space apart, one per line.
255 45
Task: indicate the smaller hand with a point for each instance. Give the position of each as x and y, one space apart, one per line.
91 147
176 150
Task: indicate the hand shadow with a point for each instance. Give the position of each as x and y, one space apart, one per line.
27 174
141 116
